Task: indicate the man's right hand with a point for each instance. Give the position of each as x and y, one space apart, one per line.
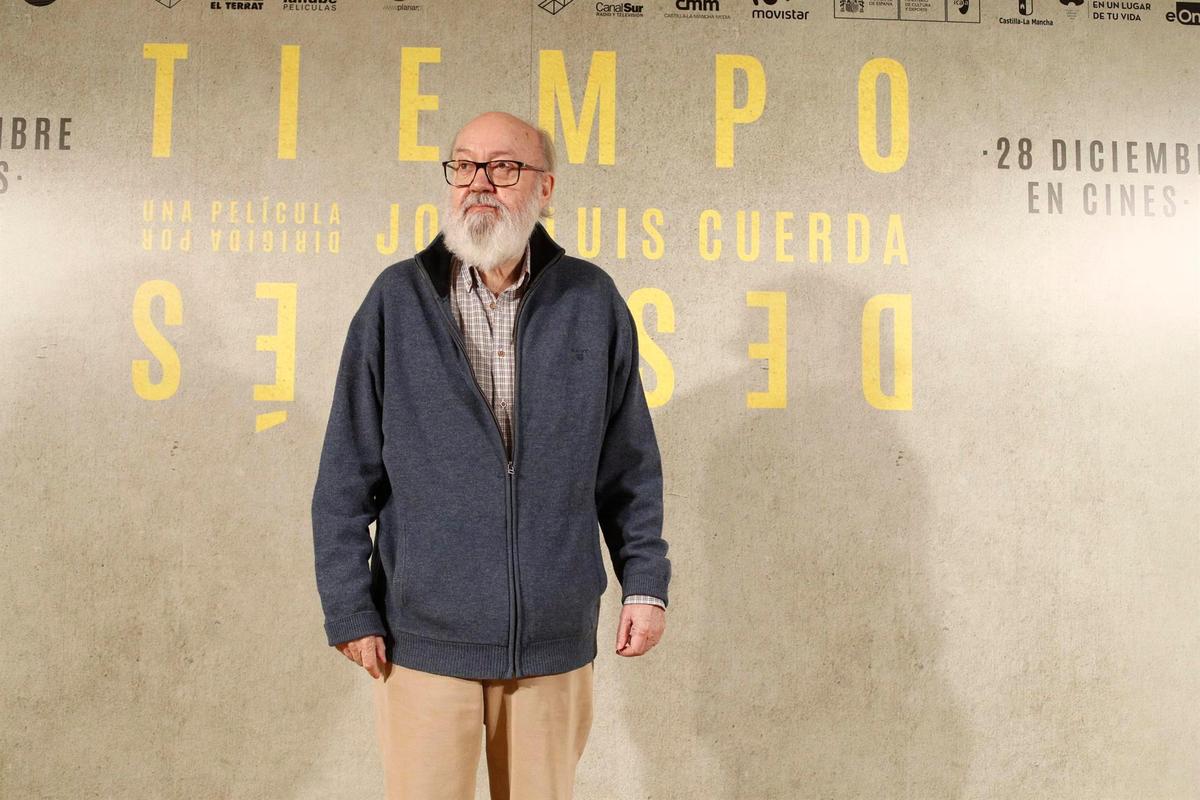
368 652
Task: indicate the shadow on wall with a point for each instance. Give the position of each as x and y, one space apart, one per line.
162 628
801 658
163 636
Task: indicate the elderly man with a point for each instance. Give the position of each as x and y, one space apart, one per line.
489 416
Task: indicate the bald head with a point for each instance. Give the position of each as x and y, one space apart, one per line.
498 134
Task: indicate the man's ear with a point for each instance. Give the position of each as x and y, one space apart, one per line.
547 189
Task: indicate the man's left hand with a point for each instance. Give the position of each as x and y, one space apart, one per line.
640 628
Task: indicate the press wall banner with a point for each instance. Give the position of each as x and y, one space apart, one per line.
916 288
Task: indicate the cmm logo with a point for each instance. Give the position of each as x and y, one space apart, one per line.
1185 13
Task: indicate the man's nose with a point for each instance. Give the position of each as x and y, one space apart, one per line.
480 182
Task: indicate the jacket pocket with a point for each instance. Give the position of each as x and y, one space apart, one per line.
397 587
453 579
601 573
561 579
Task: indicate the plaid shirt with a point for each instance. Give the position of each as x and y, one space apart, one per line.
486 321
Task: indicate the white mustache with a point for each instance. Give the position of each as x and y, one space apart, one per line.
481 200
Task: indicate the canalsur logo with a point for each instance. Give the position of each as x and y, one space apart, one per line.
619 10
553 6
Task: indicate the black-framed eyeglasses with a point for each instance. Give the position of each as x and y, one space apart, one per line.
501 172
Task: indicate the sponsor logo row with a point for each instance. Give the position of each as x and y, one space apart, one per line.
1011 12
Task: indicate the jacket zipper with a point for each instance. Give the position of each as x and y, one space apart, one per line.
510 471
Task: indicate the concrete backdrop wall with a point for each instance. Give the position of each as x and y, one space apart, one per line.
917 294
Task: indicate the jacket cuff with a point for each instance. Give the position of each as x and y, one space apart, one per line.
355 626
644 584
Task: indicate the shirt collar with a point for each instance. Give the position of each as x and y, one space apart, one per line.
470 277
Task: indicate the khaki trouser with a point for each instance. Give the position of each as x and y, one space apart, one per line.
429 733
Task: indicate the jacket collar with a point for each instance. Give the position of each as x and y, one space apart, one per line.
435 258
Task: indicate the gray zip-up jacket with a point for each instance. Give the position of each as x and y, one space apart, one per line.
484 566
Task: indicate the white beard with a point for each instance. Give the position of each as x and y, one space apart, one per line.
488 239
